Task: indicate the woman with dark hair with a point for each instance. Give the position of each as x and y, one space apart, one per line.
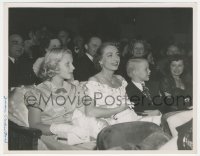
171 50
175 87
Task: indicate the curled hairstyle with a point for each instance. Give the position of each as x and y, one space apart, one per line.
49 67
100 52
131 44
172 58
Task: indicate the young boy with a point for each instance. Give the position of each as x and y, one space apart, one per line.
145 96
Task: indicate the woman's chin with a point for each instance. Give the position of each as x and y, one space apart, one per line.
68 77
177 74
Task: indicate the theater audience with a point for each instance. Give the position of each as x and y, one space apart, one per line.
85 66
140 90
175 86
16 49
124 83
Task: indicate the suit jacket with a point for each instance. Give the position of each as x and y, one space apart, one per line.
141 101
13 74
84 69
26 73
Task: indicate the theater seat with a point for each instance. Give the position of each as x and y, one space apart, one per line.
136 135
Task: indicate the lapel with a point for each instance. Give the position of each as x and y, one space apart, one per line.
138 92
136 89
87 59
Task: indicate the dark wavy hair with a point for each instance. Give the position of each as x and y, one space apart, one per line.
99 54
175 58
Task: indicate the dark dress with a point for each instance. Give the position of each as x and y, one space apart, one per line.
181 98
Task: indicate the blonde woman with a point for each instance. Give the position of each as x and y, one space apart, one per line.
57 108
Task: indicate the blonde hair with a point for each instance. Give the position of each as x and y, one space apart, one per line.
131 64
49 67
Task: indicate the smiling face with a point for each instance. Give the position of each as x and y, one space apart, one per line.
177 67
93 45
16 47
142 71
66 67
138 50
110 58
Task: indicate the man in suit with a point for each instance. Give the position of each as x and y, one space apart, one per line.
16 49
85 67
145 95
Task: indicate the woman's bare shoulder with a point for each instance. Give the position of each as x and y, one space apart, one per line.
94 78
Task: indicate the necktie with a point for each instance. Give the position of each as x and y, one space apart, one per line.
146 92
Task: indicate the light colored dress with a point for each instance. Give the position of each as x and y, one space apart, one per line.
56 105
64 108
108 97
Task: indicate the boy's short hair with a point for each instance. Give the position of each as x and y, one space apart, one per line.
130 66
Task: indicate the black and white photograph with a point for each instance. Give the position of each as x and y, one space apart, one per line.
100 76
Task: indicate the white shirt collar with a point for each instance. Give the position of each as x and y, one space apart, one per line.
90 57
138 85
12 59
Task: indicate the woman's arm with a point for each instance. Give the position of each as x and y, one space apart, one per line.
34 118
99 112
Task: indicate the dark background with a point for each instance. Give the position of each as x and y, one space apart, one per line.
156 25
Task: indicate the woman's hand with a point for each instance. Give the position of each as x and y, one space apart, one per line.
151 113
124 106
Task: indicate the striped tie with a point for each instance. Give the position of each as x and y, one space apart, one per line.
146 92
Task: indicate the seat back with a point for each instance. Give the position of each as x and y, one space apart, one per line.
131 136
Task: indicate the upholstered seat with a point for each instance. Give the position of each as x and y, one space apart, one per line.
136 135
